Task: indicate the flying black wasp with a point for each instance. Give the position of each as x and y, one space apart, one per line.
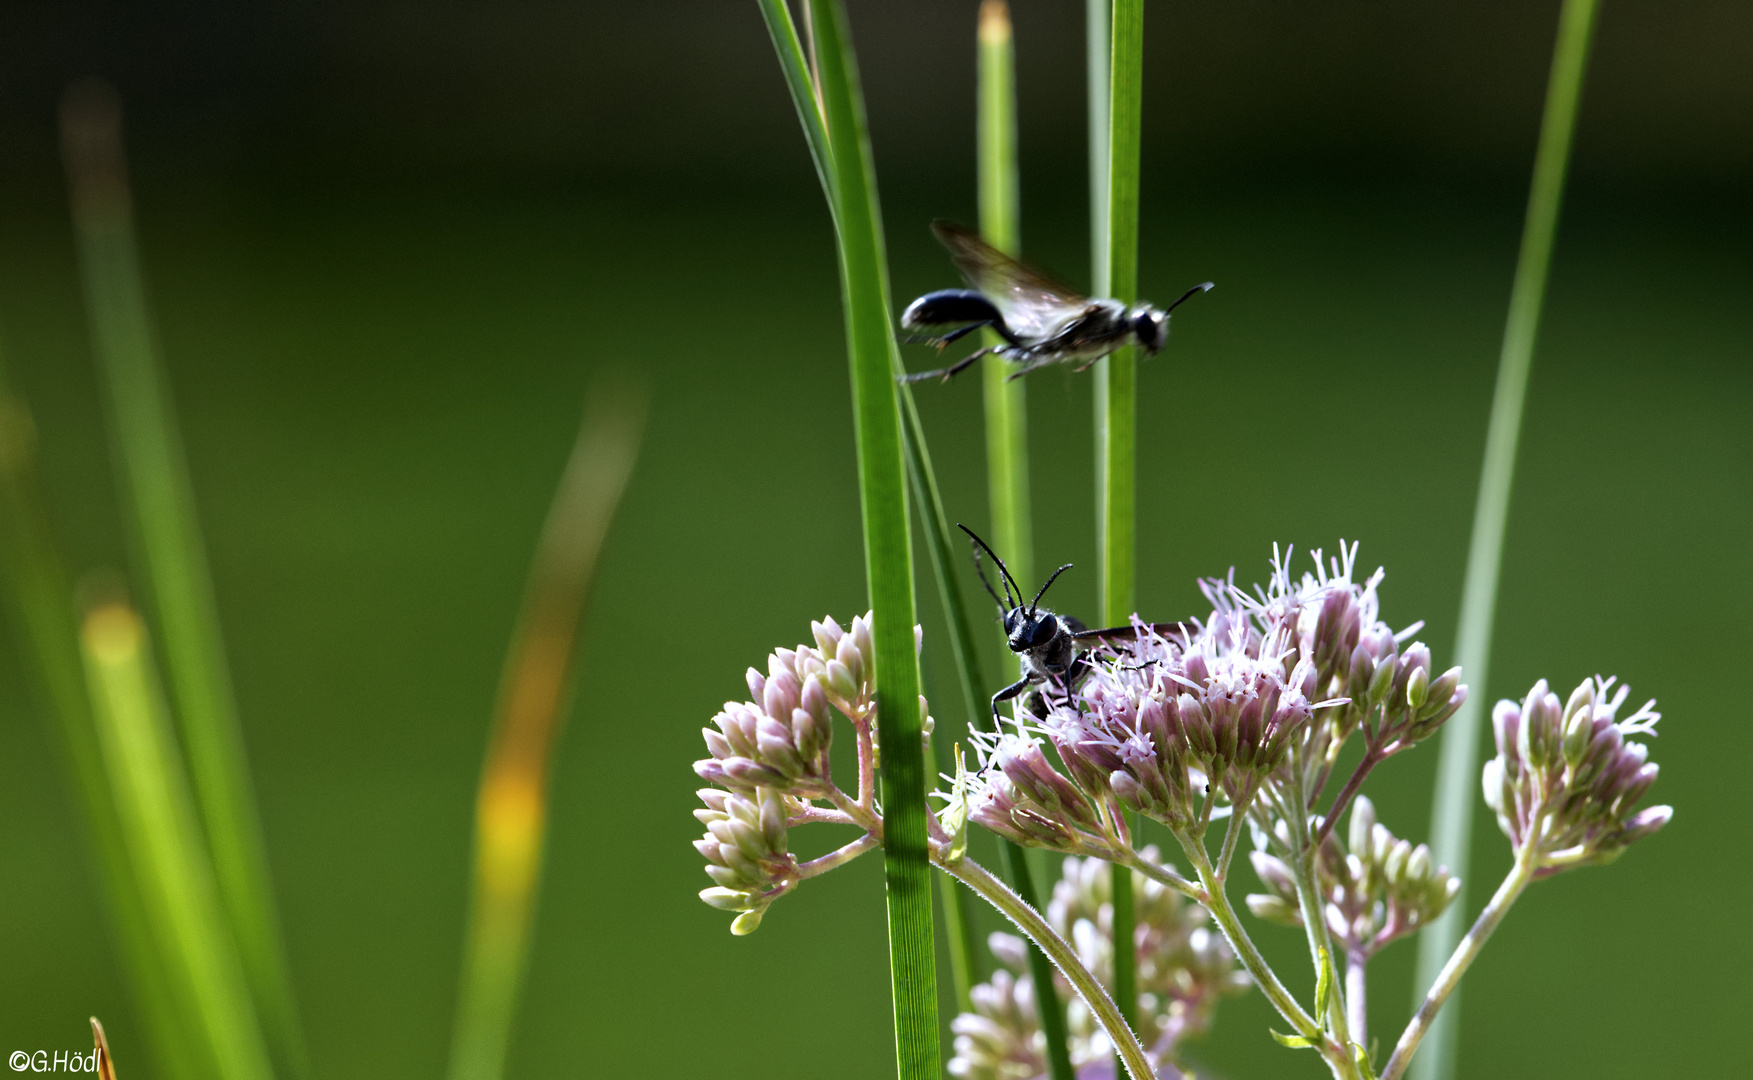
1050 646
1041 321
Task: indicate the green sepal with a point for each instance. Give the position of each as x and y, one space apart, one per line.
1362 1057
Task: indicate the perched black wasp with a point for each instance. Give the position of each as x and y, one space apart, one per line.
1041 321
1050 645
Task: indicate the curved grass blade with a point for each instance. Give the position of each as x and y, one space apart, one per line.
534 695
166 541
1458 765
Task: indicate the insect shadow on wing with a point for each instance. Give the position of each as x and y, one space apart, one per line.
1040 321
1049 646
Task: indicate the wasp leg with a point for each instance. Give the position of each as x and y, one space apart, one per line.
1006 694
945 373
1026 366
946 340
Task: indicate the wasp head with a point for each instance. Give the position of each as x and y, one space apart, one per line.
1028 628
1151 327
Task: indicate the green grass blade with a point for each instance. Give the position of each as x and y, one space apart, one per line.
1007 424
796 69
1116 393
167 542
162 838
888 555
1458 766
40 606
534 694
944 550
966 968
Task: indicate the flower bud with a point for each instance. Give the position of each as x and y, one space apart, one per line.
852 658
746 923
781 694
1417 688
1363 825
840 680
725 899
757 683
827 634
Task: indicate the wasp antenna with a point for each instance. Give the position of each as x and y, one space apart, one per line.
1007 602
1204 286
1036 602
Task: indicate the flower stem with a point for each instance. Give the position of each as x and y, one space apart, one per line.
1460 960
1029 921
1458 765
1163 875
1357 994
1371 758
1218 904
840 856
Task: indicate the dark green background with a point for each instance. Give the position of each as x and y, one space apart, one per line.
389 243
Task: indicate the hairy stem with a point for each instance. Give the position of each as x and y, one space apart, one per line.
1218 904
1357 995
1029 921
1460 960
838 857
1163 875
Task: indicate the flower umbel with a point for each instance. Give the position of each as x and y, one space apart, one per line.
1375 888
745 853
1565 783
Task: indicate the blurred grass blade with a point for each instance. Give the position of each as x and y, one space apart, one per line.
1007 423
166 538
163 842
534 693
40 604
1098 15
1116 391
1458 765
888 556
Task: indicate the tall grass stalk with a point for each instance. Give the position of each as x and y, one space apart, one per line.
1007 422
1116 389
162 837
1458 766
40 606
960 926
888 555
534 696
166 540
1098 20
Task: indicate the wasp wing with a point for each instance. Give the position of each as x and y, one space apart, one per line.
1128 633
1034 306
